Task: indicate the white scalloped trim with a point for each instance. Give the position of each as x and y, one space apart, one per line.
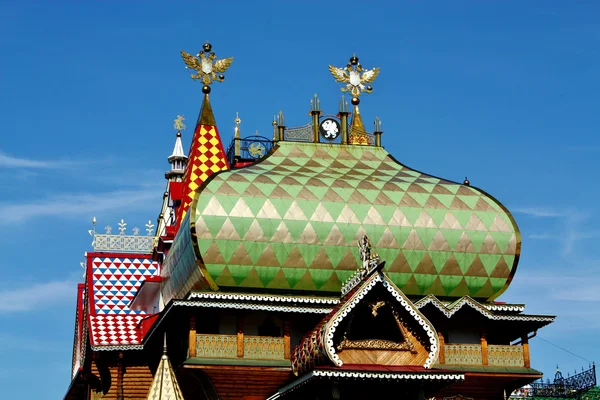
356 298
395 376
431 332
468 301
261 297
457 376
244 306
505 307
114 348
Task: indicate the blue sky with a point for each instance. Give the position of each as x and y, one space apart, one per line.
505 92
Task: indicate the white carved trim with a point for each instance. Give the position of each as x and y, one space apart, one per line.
333 323
114 348
449 376
431 332
395 376
246 306
451 309
262 297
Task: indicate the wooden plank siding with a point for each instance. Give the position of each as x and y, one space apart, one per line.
136 382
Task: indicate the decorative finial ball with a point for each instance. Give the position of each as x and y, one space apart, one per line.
369 87
207 47
466 182
355 101
354 60
221 76
206 89
178 134
274 123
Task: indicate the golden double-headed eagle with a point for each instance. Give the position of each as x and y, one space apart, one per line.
355 77
207 68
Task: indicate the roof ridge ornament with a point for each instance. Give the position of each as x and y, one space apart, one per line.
178 124
206 66
356 78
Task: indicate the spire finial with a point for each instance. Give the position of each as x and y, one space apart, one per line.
355 77
206 67
178 124
238 121
466 182
165 344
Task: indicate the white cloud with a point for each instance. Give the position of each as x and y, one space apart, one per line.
572 229
540 212
7 161
541 236
82 204
37 296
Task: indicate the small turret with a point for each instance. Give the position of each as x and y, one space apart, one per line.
177 159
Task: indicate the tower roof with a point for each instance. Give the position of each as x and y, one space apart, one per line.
177 150
206 155
165 386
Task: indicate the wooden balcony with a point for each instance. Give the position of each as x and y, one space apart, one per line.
478 354
252 347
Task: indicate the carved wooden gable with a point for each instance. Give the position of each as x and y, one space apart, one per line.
374 323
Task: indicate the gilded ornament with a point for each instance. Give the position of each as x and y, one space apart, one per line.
355 77
206 65
178 123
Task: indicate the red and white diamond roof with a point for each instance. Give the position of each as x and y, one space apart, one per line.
112 283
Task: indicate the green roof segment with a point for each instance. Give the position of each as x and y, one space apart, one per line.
293 220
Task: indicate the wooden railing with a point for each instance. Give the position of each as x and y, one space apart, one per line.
484 354
263 348
250 347
463 354
216 346
505 356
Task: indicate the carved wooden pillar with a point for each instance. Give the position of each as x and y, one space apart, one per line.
484 349
192 337
526 357
442 357
286 339
240 335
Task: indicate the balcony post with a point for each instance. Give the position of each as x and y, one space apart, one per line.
526 357
484 349
240 336
192 337
442 357
286 339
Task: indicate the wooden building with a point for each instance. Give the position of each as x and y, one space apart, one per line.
311 264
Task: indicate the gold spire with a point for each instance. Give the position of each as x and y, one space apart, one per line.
207 69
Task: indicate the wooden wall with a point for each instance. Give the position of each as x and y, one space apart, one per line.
136 383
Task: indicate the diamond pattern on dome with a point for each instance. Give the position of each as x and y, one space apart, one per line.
293 221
